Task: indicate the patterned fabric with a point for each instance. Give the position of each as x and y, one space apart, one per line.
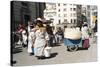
41 38
68 42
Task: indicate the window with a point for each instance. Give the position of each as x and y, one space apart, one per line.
74 20
74 4
65 20
71 15
59 10
64 9
74 9
71 21
74 14
24 3
65 15
84 8
89 13
70 9
59 4
64 4
59 15
59 21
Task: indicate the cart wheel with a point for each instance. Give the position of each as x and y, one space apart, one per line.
72 48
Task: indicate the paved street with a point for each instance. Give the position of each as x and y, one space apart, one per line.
59 56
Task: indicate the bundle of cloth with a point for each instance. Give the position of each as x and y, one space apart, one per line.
72 33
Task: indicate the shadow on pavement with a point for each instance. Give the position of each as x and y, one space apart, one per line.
56 45
17 50
52 56
80 48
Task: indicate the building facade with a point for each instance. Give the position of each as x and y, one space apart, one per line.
61 13
22 11
89 11
94 13
50 12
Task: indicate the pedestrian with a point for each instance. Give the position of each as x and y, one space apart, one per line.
85 36
51 36
29 26
95 30
40 40
31 41
59 35
54 38
19 37
24 38
95 27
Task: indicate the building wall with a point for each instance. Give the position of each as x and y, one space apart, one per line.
50 12
67 13
93 12
16 11
70 15
79 11
62 13
32 10
22 11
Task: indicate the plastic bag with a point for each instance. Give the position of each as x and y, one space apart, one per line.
47 51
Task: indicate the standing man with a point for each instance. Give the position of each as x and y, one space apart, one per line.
50 33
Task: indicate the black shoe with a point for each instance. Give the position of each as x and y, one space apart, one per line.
31 54
41 57
38 58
